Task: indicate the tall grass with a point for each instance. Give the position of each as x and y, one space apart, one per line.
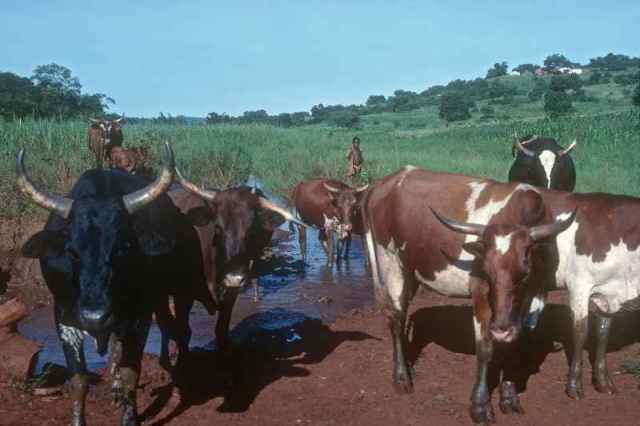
607 156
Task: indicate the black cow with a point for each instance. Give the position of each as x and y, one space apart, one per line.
542 162
96 252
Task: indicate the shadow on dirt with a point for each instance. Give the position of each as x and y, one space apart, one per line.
452 328
262 357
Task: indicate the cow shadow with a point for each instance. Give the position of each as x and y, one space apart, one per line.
259 358
452 328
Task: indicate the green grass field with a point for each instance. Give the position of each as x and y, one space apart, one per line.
607 157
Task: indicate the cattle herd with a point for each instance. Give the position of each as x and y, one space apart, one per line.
120 246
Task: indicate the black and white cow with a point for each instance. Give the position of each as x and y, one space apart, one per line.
95 253
542 162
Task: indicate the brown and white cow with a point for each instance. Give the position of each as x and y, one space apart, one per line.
103 135
599 265
410 245
332 207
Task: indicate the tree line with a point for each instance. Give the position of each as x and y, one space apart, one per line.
52 92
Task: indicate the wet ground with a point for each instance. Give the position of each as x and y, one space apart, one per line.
290 293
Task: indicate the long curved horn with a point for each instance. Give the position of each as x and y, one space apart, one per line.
520 146
94 120
142 197
55 204
195 189
568 150
269 205
118 120
330 188
362 188
461 227
540 232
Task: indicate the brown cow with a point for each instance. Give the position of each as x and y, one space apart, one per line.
233 226
408 246
332 207
103 135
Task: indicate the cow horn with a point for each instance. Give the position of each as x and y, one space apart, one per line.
540 232
568 150
194 189
269 205
330 188
94 120
118 120
140 198
55 204
461 227
362 188
521 148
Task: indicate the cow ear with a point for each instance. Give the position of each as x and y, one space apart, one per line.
200 216
41 243
476 248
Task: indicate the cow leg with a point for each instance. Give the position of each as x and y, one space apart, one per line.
601 380
72 339
402 381
513 357
325 238
224 318
183 307
124 394
347 246
580 314
481 410
165 323
302 239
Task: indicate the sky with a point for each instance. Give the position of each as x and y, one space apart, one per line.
192 57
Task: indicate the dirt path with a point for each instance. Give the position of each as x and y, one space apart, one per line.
341 374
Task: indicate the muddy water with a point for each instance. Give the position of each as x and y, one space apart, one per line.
290 293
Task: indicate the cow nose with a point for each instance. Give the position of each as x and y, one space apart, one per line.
94 319
503 333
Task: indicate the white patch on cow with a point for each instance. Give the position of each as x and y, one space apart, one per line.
391 282
547 159
535 309
453 281
477 329
503 243
407 170
331 224
73 337
234 280
615 280
526 187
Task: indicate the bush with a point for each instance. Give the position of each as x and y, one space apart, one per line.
557 103
454 107
636 96
346 119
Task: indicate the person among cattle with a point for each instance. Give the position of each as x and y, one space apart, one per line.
354 167
132 160
102 136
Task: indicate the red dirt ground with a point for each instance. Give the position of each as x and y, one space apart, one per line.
341 375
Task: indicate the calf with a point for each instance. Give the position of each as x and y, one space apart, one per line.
331 206
96 253
408 246
103 135
542 162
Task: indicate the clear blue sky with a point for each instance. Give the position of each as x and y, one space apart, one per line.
195 56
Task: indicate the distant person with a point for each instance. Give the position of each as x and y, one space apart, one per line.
355 158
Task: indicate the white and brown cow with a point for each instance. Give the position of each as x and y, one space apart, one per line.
599 265
410 245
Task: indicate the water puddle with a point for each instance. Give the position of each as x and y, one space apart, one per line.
289 295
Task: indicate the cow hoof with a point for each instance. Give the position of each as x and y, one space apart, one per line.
78 420
129 417
574 391
605 386
482 414
402 384
509 400
118 397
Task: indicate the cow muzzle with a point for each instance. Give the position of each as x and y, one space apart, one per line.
504 334
95 320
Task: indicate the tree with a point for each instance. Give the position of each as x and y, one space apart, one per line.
523 68
539 88
558 61
346 119
454 107
17 96
565 82
499 69
376 99
557 103
612 62
636 96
